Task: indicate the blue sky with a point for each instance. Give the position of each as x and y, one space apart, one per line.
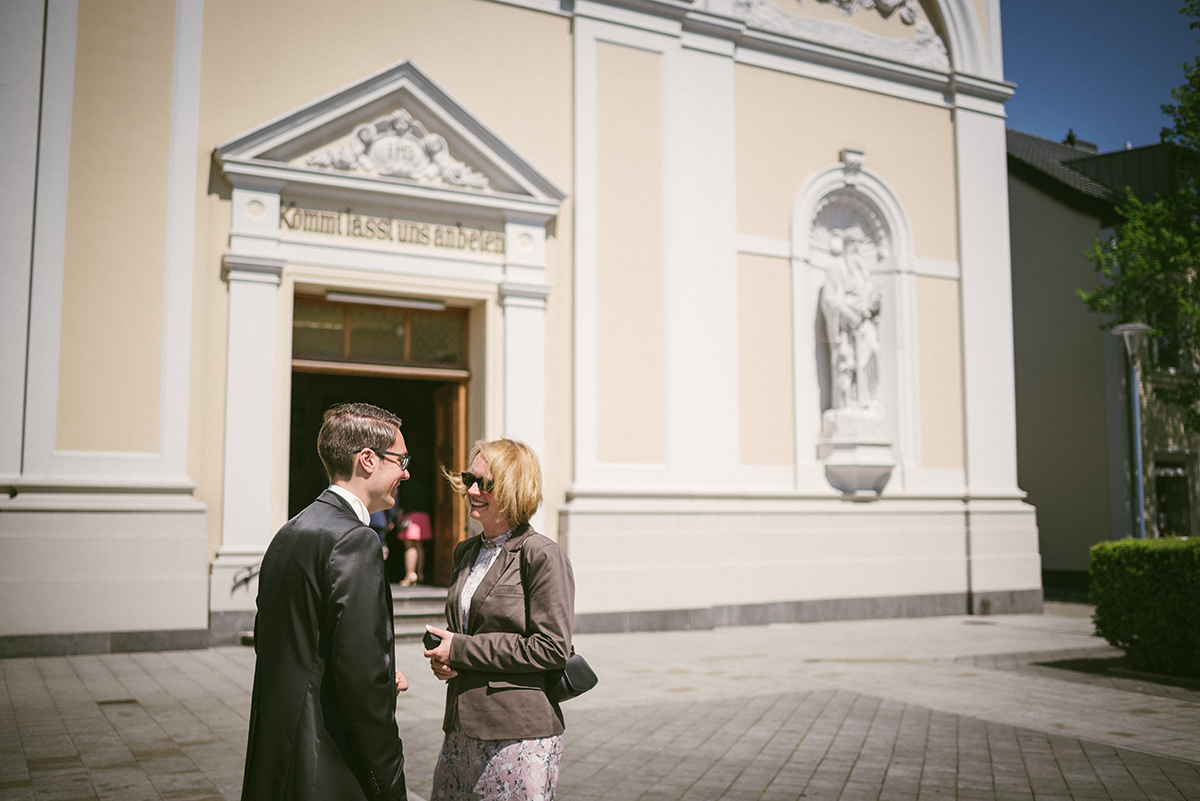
1102 67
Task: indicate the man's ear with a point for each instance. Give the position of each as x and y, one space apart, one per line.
366 462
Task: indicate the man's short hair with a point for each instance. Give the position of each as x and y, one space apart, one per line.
350 428
516 474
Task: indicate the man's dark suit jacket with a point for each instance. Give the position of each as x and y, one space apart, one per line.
323 713
515 633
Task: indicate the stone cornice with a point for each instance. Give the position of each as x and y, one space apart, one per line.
263 268
251 173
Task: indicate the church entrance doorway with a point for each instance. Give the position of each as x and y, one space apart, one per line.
404 355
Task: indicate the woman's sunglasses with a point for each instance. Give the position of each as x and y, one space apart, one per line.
485 484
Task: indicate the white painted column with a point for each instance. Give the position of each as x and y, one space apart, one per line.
525 367
986 286
1004 568
700 266
249 390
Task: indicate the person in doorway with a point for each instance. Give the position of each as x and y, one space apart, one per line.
413 530
323 709
509 614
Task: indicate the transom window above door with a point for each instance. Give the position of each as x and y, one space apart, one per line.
325 331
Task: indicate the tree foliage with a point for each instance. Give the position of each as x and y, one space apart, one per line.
1150 269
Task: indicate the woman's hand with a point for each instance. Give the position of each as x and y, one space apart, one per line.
401 682
439 658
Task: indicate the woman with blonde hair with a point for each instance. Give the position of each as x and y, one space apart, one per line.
509 613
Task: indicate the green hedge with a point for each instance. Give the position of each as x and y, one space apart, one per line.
1147 597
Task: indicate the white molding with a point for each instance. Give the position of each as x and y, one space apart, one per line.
930 92
20 63
764 246
124 499
668 20
528 295
555 7
935 268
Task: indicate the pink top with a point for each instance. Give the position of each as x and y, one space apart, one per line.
419 527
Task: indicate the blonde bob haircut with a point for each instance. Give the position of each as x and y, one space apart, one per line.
516 477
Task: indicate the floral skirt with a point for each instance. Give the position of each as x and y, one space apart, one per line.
497 770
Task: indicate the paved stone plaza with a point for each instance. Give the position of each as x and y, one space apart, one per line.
1005 707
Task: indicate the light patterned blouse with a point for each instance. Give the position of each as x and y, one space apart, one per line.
488 552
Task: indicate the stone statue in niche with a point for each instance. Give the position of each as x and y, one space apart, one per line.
850 243
398 145
850 301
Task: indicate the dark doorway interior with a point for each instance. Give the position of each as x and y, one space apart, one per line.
412 400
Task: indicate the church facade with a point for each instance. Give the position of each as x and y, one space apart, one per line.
738 270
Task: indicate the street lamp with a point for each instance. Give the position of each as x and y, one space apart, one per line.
1133 333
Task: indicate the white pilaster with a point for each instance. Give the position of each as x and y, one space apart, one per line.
525 367
986 286
20 64
249 388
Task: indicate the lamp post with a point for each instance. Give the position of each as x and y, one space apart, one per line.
1133 333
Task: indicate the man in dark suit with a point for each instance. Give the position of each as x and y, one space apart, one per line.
323 713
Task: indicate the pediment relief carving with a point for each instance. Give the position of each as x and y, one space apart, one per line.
923 47
909 10
394 137
398 146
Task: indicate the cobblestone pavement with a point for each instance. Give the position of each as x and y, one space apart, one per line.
968 708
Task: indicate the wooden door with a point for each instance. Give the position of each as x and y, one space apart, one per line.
450 452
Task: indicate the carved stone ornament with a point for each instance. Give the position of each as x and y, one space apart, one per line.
908 8
396 145
850 242
927 50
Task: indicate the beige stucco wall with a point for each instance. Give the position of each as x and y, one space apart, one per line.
767 417
939 372
110 362
510 67
1062 442
631 426
788 127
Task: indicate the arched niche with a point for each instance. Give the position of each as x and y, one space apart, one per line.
852 248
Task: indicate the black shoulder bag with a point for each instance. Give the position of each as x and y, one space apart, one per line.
571 681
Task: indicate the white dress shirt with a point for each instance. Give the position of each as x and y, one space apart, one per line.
355 502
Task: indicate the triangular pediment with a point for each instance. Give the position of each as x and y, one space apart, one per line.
395 133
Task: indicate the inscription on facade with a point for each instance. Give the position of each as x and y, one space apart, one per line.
351 225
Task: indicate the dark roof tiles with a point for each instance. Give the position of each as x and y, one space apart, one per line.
1047 156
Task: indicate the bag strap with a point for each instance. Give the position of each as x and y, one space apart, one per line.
525 587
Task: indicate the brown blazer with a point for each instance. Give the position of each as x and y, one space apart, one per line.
503 651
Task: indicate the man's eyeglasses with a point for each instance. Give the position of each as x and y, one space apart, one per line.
485 484
401 458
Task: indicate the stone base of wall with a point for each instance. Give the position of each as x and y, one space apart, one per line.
225 628
101 642
987 603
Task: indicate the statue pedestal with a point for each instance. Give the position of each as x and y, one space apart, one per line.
856 451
